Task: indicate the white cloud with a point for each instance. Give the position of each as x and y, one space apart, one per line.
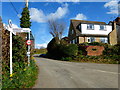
37 15
112 6
40 17
80 16
41 45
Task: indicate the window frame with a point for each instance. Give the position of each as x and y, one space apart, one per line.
104 28
89 27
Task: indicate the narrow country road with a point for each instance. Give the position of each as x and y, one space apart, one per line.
61 74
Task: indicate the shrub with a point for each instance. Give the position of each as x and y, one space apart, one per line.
69 50
66 58
62 49
82 49
95 43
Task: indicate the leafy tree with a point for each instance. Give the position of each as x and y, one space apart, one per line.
25 19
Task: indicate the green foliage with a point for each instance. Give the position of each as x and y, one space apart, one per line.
95 43
59 50
25 19
40 51
68 50
66 59
52 45
97 59
112 50
23 78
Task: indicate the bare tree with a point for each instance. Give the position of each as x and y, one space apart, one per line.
56 28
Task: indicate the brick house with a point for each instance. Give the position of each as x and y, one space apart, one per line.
81 31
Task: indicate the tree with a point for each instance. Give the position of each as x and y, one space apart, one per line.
25 19
56 28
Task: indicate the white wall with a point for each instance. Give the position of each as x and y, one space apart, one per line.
96 30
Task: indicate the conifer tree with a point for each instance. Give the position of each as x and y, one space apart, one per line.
25 19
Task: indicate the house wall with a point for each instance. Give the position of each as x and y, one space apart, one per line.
113 36
96 30
82 40
97 39
118 34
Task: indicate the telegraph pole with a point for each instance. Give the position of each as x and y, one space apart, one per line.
28 53
119 9
27 3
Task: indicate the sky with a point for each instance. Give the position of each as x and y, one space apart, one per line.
40 12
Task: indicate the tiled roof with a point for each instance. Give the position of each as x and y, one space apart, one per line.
90 22
75 23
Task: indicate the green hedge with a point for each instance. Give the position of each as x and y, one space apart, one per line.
23 76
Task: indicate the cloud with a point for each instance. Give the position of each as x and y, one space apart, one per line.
80 16
112 6
44 45
37 15
40 17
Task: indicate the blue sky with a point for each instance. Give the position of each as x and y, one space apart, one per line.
41 11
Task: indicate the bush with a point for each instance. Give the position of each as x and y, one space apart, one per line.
59 50
23 78
69 50
66 58
95 43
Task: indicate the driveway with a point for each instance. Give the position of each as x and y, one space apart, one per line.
62 74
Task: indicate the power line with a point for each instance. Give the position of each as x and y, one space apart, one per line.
14 7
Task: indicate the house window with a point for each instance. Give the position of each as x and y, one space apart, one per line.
90 26
92 39
104 40
74 41
72 31
102 27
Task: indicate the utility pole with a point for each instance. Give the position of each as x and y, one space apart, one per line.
119 9
28 39
27 3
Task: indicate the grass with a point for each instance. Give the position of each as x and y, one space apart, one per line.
40 51
22 79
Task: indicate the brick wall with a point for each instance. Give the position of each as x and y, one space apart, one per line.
94 50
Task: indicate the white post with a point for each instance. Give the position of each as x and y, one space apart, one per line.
29 49
10 52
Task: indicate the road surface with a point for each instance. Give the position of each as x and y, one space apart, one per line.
62 74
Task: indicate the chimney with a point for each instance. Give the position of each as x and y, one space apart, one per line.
117 20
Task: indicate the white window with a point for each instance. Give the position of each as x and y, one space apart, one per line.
102 27
104 40
91 39
90 26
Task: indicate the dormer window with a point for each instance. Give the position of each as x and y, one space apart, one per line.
102 27
90 26
72 31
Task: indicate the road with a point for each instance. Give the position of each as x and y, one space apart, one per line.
62 74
